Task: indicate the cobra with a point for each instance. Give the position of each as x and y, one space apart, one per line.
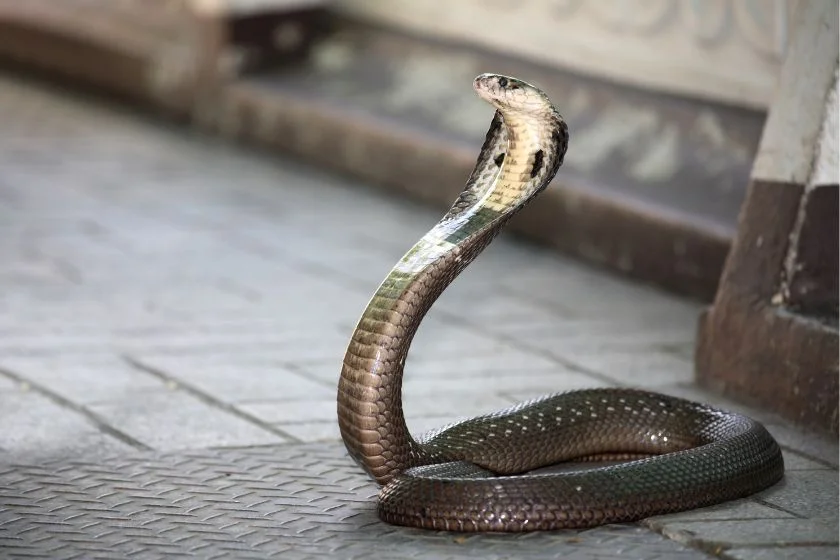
475 475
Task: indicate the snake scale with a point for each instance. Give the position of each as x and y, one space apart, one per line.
474 475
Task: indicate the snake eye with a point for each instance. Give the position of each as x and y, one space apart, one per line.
503 82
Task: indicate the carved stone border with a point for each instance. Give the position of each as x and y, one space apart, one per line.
721 50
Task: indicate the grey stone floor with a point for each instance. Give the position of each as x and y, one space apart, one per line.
173 313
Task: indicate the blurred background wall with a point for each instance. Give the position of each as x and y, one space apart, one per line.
724 50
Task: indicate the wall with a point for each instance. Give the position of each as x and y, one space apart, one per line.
726 50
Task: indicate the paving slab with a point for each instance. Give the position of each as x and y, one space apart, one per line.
173 313
271 502
36 428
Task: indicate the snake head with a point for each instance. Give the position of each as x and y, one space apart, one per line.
511 95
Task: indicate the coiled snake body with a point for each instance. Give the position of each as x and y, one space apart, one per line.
469 476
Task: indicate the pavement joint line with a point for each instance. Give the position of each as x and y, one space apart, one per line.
230 286
779 508
785 545
67 270
673 350
687 538
501 338
297 369
255 247
558 309
247 447
801 453
476 328
208 399
531 349
266 252
355 283
775 545
79 409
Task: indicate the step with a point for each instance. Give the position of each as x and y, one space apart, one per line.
651 186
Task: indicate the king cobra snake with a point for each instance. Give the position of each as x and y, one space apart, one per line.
473 475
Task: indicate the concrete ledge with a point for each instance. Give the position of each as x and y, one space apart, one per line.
658 204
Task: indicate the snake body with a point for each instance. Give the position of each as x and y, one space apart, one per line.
474 475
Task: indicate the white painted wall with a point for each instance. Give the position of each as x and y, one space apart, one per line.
799 121
729 50
827 165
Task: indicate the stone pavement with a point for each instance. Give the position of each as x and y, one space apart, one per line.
173 313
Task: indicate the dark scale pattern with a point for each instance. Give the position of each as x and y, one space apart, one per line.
712 456
538 162
449 480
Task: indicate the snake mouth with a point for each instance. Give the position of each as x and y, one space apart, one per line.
492 87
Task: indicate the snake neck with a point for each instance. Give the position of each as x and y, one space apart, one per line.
519 158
